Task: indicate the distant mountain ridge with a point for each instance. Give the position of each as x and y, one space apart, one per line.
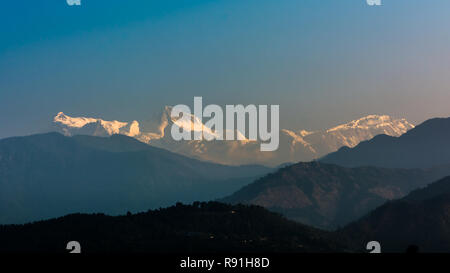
329 196
49 175
295 145
427 145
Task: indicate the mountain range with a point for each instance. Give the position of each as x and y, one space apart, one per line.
50 175
295 145
376 189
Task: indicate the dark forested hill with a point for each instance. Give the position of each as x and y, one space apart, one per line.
201 227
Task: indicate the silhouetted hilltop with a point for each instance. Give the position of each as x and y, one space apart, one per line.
200 227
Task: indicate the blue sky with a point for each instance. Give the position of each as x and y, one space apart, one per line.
324 62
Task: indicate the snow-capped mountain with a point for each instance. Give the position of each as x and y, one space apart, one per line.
320 143
92 126
295 145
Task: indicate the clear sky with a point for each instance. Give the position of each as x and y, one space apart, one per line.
323 61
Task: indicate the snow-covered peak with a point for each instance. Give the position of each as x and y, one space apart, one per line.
295 145
304 133
95 126
375 122
72 122
194 124
99 127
